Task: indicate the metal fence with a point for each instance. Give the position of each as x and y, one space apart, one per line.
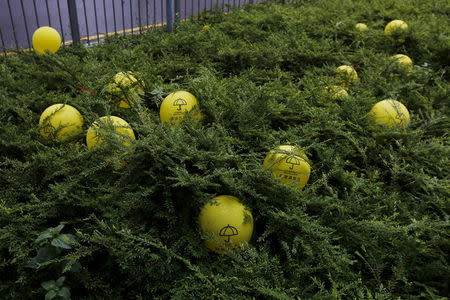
89 21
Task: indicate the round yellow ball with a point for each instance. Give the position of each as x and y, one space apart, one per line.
289 164
176 106
402 64
125 88
60 122
46 39
335 92
396 29
361 27
226 223
347 74
107 127
390 113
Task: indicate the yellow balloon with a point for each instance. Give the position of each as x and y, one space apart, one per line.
335 92
289 164
396 29
176 106
361 27
125 88
347 74
109 127
60 122
227 223
46 39
390 113
402 64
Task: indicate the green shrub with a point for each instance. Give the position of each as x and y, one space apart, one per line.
372 223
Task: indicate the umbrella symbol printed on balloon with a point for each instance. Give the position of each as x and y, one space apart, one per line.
293 161
228 231
179 102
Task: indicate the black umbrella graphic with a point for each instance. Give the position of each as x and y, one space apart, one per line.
179 102
228 231
294 161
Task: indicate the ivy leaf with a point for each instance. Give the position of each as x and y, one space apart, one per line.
60 281
60 244
44 254
71 266
64 293
64 241
50 295
32 263
49 233
57 229
43 236
67 238
49 285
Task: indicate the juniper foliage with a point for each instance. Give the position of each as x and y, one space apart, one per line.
372 223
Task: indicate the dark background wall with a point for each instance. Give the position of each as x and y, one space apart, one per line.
20 18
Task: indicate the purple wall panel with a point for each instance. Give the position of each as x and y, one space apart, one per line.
14 25
118 15
95 17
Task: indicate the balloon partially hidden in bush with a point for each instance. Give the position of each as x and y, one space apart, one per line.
60 122
125 89
335 92
397 30
46 40
361 27
289 164
347 75
179 106
402 64
108 130
226 224
390 113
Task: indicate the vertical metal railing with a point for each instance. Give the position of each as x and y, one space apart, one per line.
170 15
86 22
36 13
104 14
89 21
162 16
48 14
114 16
146 12
131 16
25 21
177 10
96 21
74 25
123 17
12 24
139 17
61 26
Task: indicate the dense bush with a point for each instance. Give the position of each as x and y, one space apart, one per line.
373 221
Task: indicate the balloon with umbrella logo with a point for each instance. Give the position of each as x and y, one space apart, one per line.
179 106
226 224
228 231
289 164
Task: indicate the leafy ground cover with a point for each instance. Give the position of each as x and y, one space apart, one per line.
372 222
